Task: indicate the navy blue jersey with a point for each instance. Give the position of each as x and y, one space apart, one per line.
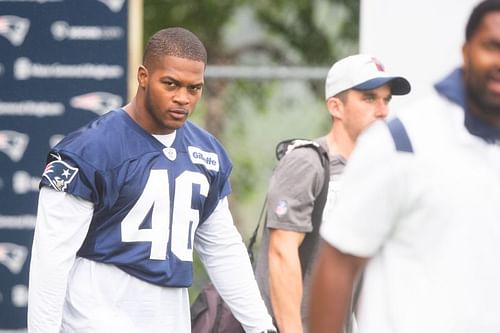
148 199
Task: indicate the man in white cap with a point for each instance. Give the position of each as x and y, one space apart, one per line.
357 93
419 210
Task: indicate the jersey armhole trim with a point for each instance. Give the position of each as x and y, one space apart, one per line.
400 136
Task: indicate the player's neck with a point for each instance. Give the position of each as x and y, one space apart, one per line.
490 116
166 139
339 142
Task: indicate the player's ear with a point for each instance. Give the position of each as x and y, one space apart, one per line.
142 76
465 55
335 107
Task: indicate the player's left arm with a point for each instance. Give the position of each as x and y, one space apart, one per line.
225 257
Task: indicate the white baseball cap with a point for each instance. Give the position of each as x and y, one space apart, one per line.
362 72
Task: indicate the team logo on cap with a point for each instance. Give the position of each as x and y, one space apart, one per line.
378 64
59 173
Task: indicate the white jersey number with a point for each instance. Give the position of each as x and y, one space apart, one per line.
156 199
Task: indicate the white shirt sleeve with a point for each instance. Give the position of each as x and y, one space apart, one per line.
226 260
62 223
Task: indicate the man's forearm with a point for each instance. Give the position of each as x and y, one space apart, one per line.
225 257
332 283
285 284
62 223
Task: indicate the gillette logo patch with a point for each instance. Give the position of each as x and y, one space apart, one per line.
209 160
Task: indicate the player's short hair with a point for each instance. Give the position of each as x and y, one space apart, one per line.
342 95
478 14
177 42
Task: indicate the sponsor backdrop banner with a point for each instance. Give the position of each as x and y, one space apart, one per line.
62 63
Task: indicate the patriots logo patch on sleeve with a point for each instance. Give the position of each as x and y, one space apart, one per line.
59 173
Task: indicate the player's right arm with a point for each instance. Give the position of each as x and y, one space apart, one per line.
294 187
285 278
62 223
374 192
333 279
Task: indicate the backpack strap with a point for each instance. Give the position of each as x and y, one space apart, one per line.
252 240
286 146
283 148
310 244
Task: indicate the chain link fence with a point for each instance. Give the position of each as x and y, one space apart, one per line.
251 109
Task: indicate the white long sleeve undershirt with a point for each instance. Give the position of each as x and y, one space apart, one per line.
61 226
62 223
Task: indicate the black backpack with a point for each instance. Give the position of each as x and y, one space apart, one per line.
209 312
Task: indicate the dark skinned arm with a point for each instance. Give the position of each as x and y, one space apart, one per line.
333 280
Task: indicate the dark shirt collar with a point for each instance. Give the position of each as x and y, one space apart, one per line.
452 87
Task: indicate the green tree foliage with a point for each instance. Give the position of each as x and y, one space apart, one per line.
206 18
319 31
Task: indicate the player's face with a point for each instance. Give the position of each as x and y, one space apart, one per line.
362 108
172 87
482 65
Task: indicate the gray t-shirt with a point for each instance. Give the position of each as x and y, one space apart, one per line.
294 186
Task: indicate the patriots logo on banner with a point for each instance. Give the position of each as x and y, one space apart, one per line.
13 256
13 144
14 28
59 173
97 102
114 5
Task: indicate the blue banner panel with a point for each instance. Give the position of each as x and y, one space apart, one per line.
62 63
